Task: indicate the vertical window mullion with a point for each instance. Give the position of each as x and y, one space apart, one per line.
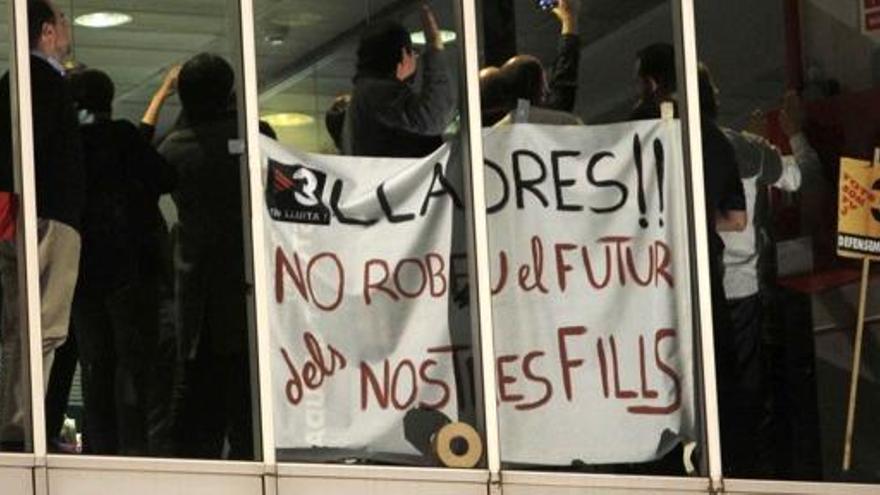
479 237
26 245
260 302
686 54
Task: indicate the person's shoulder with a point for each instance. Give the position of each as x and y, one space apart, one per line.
645 111
713 135
122 126
539 115
219 130
371 91
42 71
125 132
176 140
756 140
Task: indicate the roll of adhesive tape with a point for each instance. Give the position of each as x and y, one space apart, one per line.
443 445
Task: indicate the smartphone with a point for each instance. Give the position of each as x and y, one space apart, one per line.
546 4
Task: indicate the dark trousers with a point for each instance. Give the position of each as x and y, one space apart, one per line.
742 386
215 406
117 333
58 391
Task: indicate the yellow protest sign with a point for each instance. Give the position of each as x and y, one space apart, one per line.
858 219
858 236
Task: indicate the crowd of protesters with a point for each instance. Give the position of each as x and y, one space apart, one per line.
111 267
155 317
384 109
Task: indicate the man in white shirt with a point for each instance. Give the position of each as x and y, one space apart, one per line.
761 165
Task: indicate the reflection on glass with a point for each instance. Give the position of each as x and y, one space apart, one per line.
56 154
143 308
792 108
372 350
589 239
209 256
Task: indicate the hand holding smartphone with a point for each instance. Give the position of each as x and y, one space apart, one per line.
546 4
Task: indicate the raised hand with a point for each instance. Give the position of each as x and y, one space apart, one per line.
432 32
567 12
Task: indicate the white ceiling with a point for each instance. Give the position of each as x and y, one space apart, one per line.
315 59
165 32
313 63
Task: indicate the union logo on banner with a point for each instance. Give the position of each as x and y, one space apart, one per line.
294 194
858 224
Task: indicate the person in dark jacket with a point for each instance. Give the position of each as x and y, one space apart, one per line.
525 83
209 265
386 115
725 211
524 77
115 311
60 188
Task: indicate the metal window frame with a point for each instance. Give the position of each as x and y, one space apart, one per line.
257 237
26 245
685 42
478 233
23 166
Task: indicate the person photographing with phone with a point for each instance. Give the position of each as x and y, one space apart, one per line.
547 4
387 115
524 76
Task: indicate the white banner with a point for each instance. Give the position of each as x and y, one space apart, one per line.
591 291
359 258
591 295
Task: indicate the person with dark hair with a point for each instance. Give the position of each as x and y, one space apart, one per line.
655 75
205 87
525 84
115 311
210 265
386 115
526 78
496 98
334 119
60 187
725 211
523 77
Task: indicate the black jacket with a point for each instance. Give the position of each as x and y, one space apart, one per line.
121 220
562 83
60 173
387 117
721 182
209 255
563 79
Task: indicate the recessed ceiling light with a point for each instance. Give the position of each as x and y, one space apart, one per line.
288 119
418 37
274 39
102 19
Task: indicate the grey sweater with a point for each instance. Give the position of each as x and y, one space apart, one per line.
388 117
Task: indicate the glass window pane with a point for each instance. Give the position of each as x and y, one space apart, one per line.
795 97
16 433
590 259
141 231
372 345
